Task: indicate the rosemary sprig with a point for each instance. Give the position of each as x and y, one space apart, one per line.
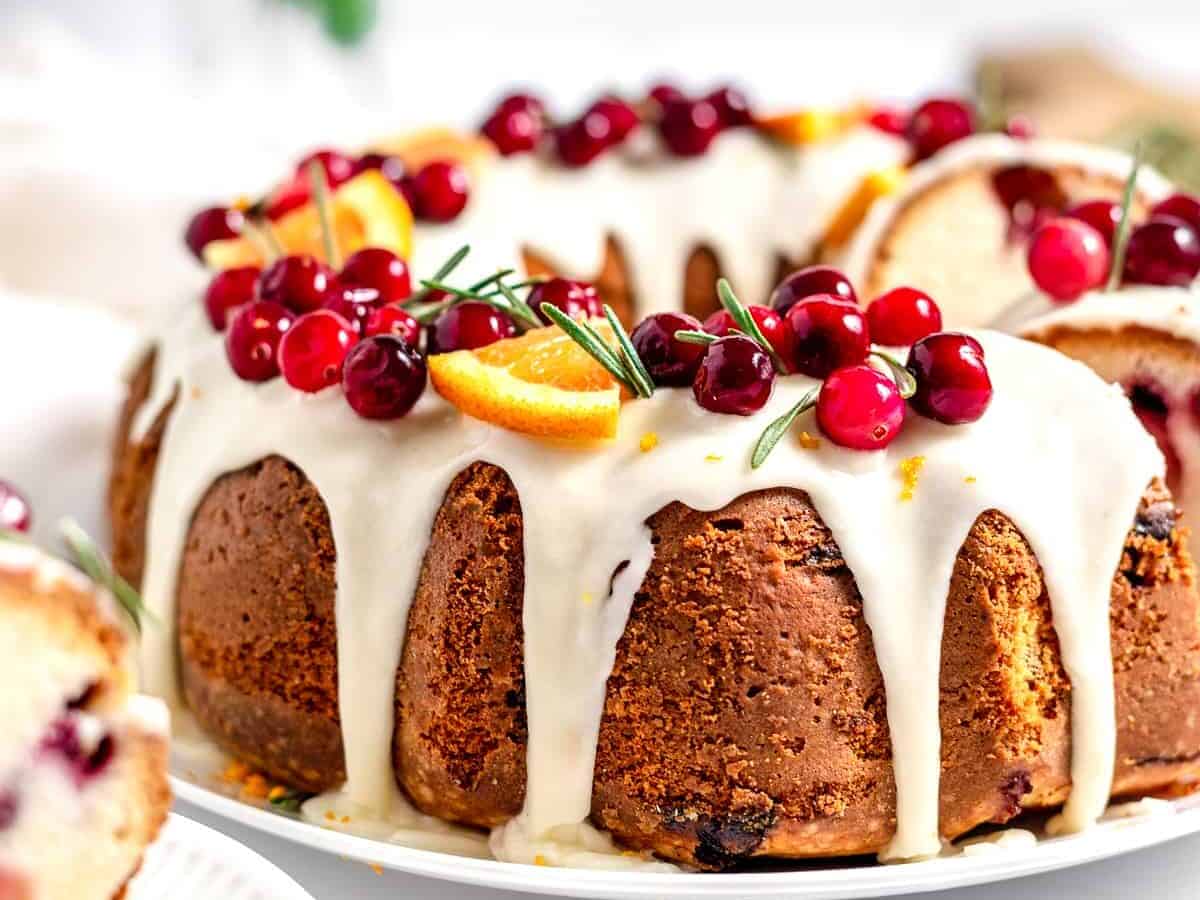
687 336
582 333
906 382
96 567
1121 240
633 362
502 299
516 306
774 432
441 274
11 534
745 322
290 800
320 189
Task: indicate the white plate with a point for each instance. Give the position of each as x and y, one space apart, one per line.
190 861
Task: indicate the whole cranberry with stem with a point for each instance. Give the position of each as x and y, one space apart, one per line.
15 512
688 127
772 325
1103 215
390 167
1181 206
953 385
313 350
622 118
580 142
1068 257
889 120
1163 251
441 188
383 377
736 376
860 408
393 319
827 333
808 282
252 339
300 282
381 269
355 305
937 123
575 298
670 362
513 131
902 316
733 109
468 326
227 291
216 223
338 167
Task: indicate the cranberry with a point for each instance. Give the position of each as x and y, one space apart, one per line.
828 333
1150 405
1103 215
383 377
381 269
9 807
953 385
523 102
664 93
395 320
772 325
1181 206
1068 257
313 349
889 120
581 141
937 123
809 281
217 223
338 166
513 131
860 408
408 190
355 305
15 512
302 283
441 189
735 376
671 363
62 740
622 118
577 299
903 316
1165 250
468 326
1020 127
290 195
688 127
1031 195
390 167
229 290
733 109
252 341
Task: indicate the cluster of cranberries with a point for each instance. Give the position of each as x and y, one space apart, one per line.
939 122
686 125
1073 253
815 327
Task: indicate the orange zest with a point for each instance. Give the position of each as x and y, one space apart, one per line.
541 383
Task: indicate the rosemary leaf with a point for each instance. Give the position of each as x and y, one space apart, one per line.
587 338
629 356
320 190
485 283
905 380
745 322
93 564
695 337
1121 240
519 307
774 432
441 274
291 800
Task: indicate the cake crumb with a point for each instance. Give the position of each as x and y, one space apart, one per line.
648 442
540 860
330 815
910 472
808 441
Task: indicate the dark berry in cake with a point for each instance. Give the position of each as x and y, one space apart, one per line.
827 333
670 362
252 339
735 376
953 385
860 408
383 377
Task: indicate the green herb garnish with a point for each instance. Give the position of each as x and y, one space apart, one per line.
687 336
320 190
746 324
587 337
1125 226
774 432
906 382
95 565
290 800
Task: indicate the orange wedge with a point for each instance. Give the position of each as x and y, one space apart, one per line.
541 383
367 212
854 210
417 148
807 126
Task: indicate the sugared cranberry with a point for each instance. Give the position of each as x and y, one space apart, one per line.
622 118
227 291
688 127
578 143
9 806
355 305
302 283
1165 250
664 93
889 120
252 341
390 167
1103 215
953 385
903 316
468 326
381 269
1020 127
513 131
860 408
808 282
217 223
395 320
733 109
575 298
937 123
383 377
1068 257
313 349
827 333
772 325
15 513
338 166
1181 206
441 189
735 377
671 363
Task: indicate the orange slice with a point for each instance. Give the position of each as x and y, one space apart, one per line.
854 210
541 383
807 126
367 212
417 148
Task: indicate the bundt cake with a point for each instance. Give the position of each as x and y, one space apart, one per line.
83 786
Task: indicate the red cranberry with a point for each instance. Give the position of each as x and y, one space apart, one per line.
664 93
381 269
513 131
772 325
953 385
827 333
1103 215
688 127
313 349
733 109
523 102
581 141
227 291
671 363
290 195
577 299
1068 257
1020 127
383 377
62 740
468 326
903 316
217 223
1150 405
1165 250
302 283
390 167
860 408
937 123
252 341
15 512
735 376
338 166
809 281
406 185
622 118
889 120
1181 206
355 305
395 320
441 189
1031 195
